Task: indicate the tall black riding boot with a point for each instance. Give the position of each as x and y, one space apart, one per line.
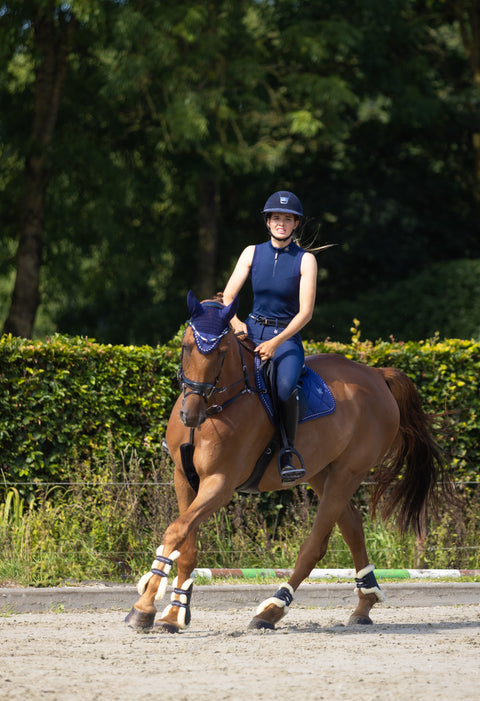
289 416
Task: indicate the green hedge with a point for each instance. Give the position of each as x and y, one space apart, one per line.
76 400
73 400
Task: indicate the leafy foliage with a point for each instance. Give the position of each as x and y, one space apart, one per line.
107 528
99 525
90 418
72 399
442 299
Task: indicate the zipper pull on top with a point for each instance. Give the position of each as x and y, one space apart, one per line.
275 263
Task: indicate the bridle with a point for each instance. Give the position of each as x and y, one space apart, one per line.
207 390
203 389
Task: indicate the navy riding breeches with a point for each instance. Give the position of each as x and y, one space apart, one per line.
288 360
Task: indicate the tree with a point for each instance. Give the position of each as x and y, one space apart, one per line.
176 122
467 14
43 34
401 196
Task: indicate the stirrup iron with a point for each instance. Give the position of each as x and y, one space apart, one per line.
290 473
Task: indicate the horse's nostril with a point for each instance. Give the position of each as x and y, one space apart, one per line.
192 420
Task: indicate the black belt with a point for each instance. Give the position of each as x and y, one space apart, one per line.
278 323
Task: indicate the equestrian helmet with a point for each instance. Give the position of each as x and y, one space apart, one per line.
283 201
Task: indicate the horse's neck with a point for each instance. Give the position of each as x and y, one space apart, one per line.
239 355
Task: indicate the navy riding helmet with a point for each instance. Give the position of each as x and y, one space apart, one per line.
283 201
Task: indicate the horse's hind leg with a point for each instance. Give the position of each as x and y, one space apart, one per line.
272 610
330 510
369 593
312 551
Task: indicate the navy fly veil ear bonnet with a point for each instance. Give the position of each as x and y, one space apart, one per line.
209 321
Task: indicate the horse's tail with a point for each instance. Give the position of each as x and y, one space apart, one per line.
413 477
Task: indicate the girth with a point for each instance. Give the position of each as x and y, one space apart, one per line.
186 454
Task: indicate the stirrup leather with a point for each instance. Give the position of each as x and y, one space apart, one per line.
289 414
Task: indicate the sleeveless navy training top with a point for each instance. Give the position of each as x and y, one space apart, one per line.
275 274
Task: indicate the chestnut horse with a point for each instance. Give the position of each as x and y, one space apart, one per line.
378 423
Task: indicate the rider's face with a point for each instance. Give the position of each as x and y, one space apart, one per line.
282 225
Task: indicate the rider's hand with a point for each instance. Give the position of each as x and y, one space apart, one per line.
266 349
239 327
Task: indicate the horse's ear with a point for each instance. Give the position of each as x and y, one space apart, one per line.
194 306
231 310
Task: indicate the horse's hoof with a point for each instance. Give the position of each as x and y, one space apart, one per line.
140 619
260 624
165 627
359 620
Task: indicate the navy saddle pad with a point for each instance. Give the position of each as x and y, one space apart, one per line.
318 399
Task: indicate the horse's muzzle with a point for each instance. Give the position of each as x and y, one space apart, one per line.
193 417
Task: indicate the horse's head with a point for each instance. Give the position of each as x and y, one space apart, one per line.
204 347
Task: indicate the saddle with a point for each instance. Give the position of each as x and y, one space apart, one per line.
316 400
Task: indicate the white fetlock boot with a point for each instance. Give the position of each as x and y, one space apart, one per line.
182 604
167 562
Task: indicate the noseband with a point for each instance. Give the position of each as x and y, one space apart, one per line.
206 390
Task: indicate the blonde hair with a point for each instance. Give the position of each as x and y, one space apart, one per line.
309 243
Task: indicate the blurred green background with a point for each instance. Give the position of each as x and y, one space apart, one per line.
139 141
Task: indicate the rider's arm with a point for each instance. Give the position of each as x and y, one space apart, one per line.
236 282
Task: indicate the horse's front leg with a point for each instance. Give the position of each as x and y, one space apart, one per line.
177 615
178 542
151 587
